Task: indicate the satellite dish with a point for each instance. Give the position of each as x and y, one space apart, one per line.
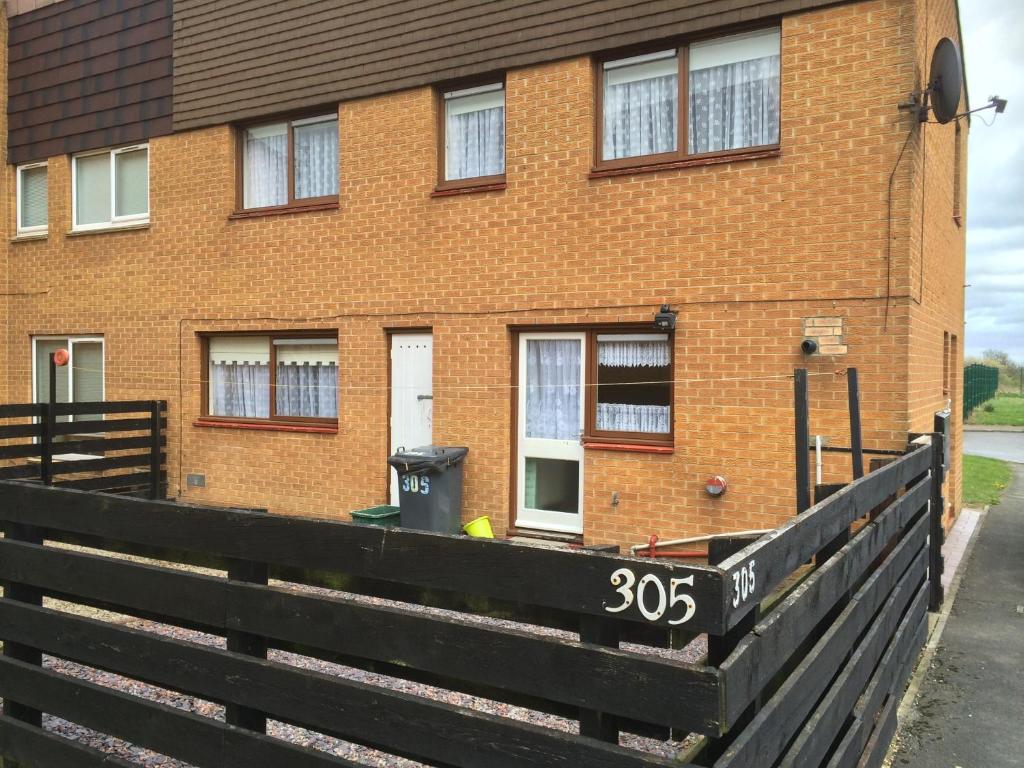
945 80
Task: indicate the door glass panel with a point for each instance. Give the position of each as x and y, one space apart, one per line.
553 485
88 375
553 389
44 347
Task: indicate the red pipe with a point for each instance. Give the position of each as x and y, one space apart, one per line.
652 551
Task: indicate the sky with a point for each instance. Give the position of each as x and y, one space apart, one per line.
994 53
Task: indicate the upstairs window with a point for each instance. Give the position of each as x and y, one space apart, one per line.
724 92
641 105
32 199
111 188
474 135
274 378
290 163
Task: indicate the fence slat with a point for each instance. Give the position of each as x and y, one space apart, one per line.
785 712
764 652
74 466
780 552
108 425
10 431
577 581
891 676
198 740
32 746
825 723
17 592
108 483
645 688
107 406
397 722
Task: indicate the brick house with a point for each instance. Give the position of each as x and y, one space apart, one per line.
322 232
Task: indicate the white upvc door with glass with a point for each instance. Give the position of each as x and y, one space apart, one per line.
549 470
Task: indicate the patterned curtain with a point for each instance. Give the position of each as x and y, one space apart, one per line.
627 417
266 167
640 117
316 160
307 390
476 143
240 389
734 105
553 388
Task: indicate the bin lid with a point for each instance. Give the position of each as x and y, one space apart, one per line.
427 457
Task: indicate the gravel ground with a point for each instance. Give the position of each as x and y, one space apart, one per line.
356 753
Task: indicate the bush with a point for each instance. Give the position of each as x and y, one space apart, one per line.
989 408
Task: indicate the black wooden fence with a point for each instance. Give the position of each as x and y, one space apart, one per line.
812 632
79 445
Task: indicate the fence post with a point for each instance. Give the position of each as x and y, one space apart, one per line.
803 441
243 642
46 422
721 646
856 448
154 449
599 631
23 593
936 534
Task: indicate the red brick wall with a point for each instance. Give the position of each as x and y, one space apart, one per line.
937 251
745 251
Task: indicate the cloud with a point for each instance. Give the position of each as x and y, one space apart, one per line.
994 52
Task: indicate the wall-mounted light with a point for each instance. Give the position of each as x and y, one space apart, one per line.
665 318
716 485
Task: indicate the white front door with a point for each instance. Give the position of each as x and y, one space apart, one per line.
549 472
412 394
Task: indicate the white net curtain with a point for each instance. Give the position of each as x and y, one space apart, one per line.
553 388
240 390
475 132
265 161
307 390
304 380
641 105
734 92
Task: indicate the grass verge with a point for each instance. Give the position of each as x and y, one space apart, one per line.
1007 410
984 480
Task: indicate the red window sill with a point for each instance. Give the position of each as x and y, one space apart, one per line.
258 213
691 162
468 190
628 447
266 427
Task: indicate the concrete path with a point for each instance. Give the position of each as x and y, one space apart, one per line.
1008 446
969 711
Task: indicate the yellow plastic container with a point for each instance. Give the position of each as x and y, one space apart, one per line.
480 528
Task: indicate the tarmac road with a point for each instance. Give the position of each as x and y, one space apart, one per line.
1008 446
969 712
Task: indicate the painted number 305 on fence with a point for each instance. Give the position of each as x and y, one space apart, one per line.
416 484
651 597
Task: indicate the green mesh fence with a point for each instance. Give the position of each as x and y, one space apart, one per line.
980 384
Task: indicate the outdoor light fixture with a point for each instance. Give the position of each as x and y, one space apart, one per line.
665 319
716 485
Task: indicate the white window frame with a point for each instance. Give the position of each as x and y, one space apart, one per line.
71 340
38 229
114 221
